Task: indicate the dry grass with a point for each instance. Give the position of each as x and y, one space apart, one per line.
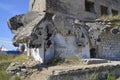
21 58
110 20
109 17
72 60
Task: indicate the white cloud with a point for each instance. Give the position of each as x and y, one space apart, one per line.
7 43
9 8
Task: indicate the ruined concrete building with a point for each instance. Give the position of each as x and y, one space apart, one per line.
69 28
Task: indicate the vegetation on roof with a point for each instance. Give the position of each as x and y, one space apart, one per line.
109 17
110 20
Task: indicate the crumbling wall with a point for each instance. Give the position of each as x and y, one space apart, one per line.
37 5
70 39
42 32
18 22
62 34
105 39
75 8
109 47
57 28
66 47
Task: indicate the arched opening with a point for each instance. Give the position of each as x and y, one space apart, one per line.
92 53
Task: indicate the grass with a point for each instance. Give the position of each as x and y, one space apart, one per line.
94 76
4 75
5 61
110 77
115 20
109 17
16 78
73 60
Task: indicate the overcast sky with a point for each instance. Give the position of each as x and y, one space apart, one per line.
8 9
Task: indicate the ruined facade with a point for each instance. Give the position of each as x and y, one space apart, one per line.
68 28
82 9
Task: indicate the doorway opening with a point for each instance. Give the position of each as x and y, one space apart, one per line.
92 53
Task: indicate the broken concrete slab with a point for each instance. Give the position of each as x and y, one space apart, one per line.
94 61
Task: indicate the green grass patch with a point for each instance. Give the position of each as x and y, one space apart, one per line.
110 77
16 77
4 75
5 61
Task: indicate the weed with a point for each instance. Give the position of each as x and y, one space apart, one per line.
110 77
16 78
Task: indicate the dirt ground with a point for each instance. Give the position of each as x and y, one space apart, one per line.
45 72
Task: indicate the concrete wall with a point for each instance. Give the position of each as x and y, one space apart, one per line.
74 8
65 43
65 46
38 54
68 36
109 47
106 43
90 73
37 5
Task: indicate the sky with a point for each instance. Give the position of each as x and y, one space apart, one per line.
8 9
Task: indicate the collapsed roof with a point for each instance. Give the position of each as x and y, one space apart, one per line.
22 25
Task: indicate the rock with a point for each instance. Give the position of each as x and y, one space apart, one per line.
14 64
18 74
13 68
24 70
16 68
